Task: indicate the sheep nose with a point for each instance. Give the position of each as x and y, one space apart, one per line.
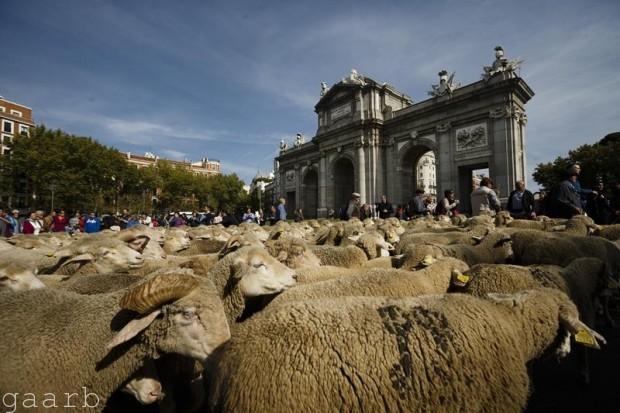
294 277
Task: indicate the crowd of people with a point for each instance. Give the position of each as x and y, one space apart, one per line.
569 198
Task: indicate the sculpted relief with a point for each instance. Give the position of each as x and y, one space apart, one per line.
471 137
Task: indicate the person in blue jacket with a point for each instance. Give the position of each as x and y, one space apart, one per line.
92 223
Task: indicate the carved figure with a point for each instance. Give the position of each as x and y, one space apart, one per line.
283 145
324 88
299 140
501 64
355 78
446 85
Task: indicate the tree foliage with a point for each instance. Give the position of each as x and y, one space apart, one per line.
598 161
80 173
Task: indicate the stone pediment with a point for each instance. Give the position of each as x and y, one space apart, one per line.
343 89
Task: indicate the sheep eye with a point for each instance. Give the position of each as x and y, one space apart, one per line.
189 314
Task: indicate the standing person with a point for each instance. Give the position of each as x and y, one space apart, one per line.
60 222
6 229
567 199
299 215
207 219
229 219
74 222
417 207
32 226
132 221
92 224
583 192
448 205
353 209
521 202
14 220
281 210
249 216
124 219
385 208
365 212
484 198
48 221
615 202
598 206
176 220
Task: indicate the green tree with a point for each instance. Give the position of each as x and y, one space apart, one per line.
599 161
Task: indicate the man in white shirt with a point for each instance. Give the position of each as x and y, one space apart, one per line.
484 198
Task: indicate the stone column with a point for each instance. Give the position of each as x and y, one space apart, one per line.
297 186
322 202
380 179
361 169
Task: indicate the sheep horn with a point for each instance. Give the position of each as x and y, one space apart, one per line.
159 290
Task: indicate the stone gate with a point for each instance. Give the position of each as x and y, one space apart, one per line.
370 137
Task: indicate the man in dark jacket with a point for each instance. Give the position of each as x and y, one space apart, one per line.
521 202
385 208
567 199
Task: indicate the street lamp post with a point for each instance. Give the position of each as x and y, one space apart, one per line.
52 187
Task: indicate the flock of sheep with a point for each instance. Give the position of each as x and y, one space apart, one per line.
379 315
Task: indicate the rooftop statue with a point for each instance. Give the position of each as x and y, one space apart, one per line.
283 145
446 85
299 140
501 64
354 78
324 88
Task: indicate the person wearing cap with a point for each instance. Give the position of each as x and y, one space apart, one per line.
567 197
353 209
14 220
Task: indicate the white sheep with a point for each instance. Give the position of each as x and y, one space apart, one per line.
452 352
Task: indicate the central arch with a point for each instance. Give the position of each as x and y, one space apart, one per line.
343 182
310 194
417 170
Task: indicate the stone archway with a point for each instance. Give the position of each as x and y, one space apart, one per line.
310 194
343 173
413 174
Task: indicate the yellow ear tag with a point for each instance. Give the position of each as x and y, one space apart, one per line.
585 338
463 278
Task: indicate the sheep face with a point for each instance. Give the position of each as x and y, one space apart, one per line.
108 259
14 277
258 273
145 386
176 240
194 330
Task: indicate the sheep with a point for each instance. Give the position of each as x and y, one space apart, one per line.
292 252
494 248
97 255
54 342
452 352
325 272
530 249
350 257
610 232
373 244
581 280
380 282
176 240
16 277
246 273
445 238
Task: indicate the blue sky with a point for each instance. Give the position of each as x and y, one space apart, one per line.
229 79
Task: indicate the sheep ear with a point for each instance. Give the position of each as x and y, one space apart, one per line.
138 242
132 329
82 258
584 335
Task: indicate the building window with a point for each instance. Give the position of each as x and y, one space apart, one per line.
16 113
7 126
2 109
5 139
24 130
